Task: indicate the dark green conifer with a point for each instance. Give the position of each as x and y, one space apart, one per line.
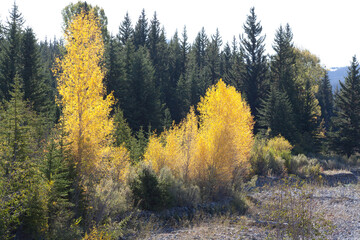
213 58
10 54
255 74
126 31
326 101
276 115
141 31
346 122
35 89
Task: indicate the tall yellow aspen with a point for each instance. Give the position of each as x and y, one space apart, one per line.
85 108
225 136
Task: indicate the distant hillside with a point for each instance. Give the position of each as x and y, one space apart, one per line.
336 74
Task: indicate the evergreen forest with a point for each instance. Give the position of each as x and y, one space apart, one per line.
96 127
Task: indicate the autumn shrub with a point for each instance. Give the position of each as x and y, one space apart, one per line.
211 151
97 234
110 200
175 148
270 157
225 137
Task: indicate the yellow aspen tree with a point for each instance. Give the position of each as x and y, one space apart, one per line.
85 108
175 148
188 142
225 135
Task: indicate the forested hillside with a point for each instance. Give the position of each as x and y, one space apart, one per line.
97 124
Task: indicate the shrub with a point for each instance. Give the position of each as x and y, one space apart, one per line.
293 214
109 200
179 193
304 166
270 156
211 151
145 189
238 202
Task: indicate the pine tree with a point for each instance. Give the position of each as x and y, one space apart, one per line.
326 102
254 76
276 115
346 123
185 48
141 31
126 31
25 188
35 89
115 74
213 59
10 54
144 106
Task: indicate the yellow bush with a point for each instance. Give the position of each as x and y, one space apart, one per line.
174 148
212 149
225 135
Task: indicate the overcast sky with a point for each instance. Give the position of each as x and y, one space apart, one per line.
329 29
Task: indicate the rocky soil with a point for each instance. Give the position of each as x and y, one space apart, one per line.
340 205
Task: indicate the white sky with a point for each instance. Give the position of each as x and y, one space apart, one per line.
330 29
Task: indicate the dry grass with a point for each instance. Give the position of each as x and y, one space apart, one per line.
334 172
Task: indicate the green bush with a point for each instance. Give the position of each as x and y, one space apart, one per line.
146 191
177 192
152 192
270 157
238 202
303 166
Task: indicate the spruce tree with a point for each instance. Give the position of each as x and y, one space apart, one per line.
326 102
276 115
282 119
175 72
346 122
282 63
115 74
185 48
35 89
142 104
226 63
237 67
254 76
198 76
126 31
18 125
213 58
10 54
141 31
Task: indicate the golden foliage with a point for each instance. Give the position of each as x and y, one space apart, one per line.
174 148
225 137
278 145
85 109
210 149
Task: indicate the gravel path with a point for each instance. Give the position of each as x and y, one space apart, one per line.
340 204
